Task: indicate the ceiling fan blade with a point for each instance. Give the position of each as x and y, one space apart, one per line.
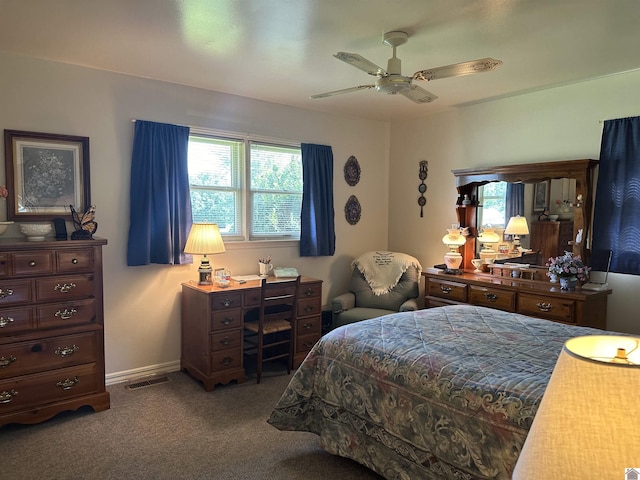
344 90
360 62
419 95
458 69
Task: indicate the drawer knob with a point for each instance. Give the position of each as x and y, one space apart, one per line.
6 397
5 362
4 321
74 261
66 314
491 297
225 341
544 306
65 287
66 351
446 290
32 263
226 320
227 303
308 308
308 325
227 361
308 292
308 344
5 293
68 383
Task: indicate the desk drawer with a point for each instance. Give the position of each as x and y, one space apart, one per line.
308 326
226 300
226 360
552 308
226 340
226 320
446 289
492 298
308 306
308 290
306 342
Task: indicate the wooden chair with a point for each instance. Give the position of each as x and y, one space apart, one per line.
269 329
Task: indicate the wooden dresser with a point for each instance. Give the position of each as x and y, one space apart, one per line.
536 298
212 327
51 329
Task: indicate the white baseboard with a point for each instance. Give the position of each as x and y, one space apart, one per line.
121 377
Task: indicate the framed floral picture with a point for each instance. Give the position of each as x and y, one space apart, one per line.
541 196
45 174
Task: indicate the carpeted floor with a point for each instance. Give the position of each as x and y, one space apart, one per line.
173 430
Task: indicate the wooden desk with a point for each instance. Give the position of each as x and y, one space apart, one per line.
536 298
212 327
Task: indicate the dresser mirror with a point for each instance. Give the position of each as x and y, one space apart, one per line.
570 180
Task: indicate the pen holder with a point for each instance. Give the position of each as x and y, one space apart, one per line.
265 269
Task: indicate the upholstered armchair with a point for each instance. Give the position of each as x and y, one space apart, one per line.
380 283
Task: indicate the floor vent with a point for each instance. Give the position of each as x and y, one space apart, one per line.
147 382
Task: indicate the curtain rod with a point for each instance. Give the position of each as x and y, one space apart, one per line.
621 118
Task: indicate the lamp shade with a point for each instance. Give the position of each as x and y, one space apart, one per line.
588 423
517 226
488 236
204 238
454 238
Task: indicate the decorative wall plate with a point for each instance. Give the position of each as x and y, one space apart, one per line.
422 188
352 210
352 171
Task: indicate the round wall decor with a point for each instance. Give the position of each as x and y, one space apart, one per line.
352 210
352 171
422 188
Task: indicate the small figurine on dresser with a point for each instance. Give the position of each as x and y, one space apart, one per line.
85 225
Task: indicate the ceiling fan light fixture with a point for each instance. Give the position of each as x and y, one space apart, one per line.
393 84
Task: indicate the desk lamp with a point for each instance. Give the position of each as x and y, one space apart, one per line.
452 259
517 226
204 239
588 423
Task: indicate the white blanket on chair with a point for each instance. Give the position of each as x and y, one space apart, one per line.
382 270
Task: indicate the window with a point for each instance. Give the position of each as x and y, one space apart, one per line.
493 201
252 189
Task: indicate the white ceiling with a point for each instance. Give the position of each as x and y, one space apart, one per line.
282 50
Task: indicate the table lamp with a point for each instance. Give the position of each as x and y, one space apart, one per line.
487 238
517 226
204 239
588 423
452 259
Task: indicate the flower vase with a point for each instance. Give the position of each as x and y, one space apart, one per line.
568 283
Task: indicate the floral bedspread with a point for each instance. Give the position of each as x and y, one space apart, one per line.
433 394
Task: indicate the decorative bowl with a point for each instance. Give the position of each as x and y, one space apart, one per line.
4 226
553 218
35 232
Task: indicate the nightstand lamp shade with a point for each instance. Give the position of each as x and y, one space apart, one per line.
517 226
204 239
588 423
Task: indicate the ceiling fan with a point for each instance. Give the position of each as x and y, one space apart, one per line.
392 82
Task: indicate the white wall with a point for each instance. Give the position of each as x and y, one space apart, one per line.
556 124
142 316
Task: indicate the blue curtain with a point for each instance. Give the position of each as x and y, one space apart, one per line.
317 230
616 220
514 201
160 206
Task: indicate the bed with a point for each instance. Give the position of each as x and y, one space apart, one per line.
439 393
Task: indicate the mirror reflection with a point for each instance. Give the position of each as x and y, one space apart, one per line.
548 210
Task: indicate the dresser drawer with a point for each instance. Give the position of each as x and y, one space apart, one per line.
33 263
308 306
48 354
39 389
446 289
492 298
15 291
80 260
226 320
225 301
226 359
4 265
553 308
61 288
225 340
308 290
65 314
16 320
308 326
